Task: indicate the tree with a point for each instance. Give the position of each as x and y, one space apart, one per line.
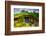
23 11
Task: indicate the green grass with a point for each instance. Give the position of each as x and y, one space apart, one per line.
21 16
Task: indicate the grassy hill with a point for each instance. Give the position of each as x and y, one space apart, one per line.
20 22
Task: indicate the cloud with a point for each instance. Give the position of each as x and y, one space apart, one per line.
18 10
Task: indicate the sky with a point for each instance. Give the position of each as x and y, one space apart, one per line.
18 10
